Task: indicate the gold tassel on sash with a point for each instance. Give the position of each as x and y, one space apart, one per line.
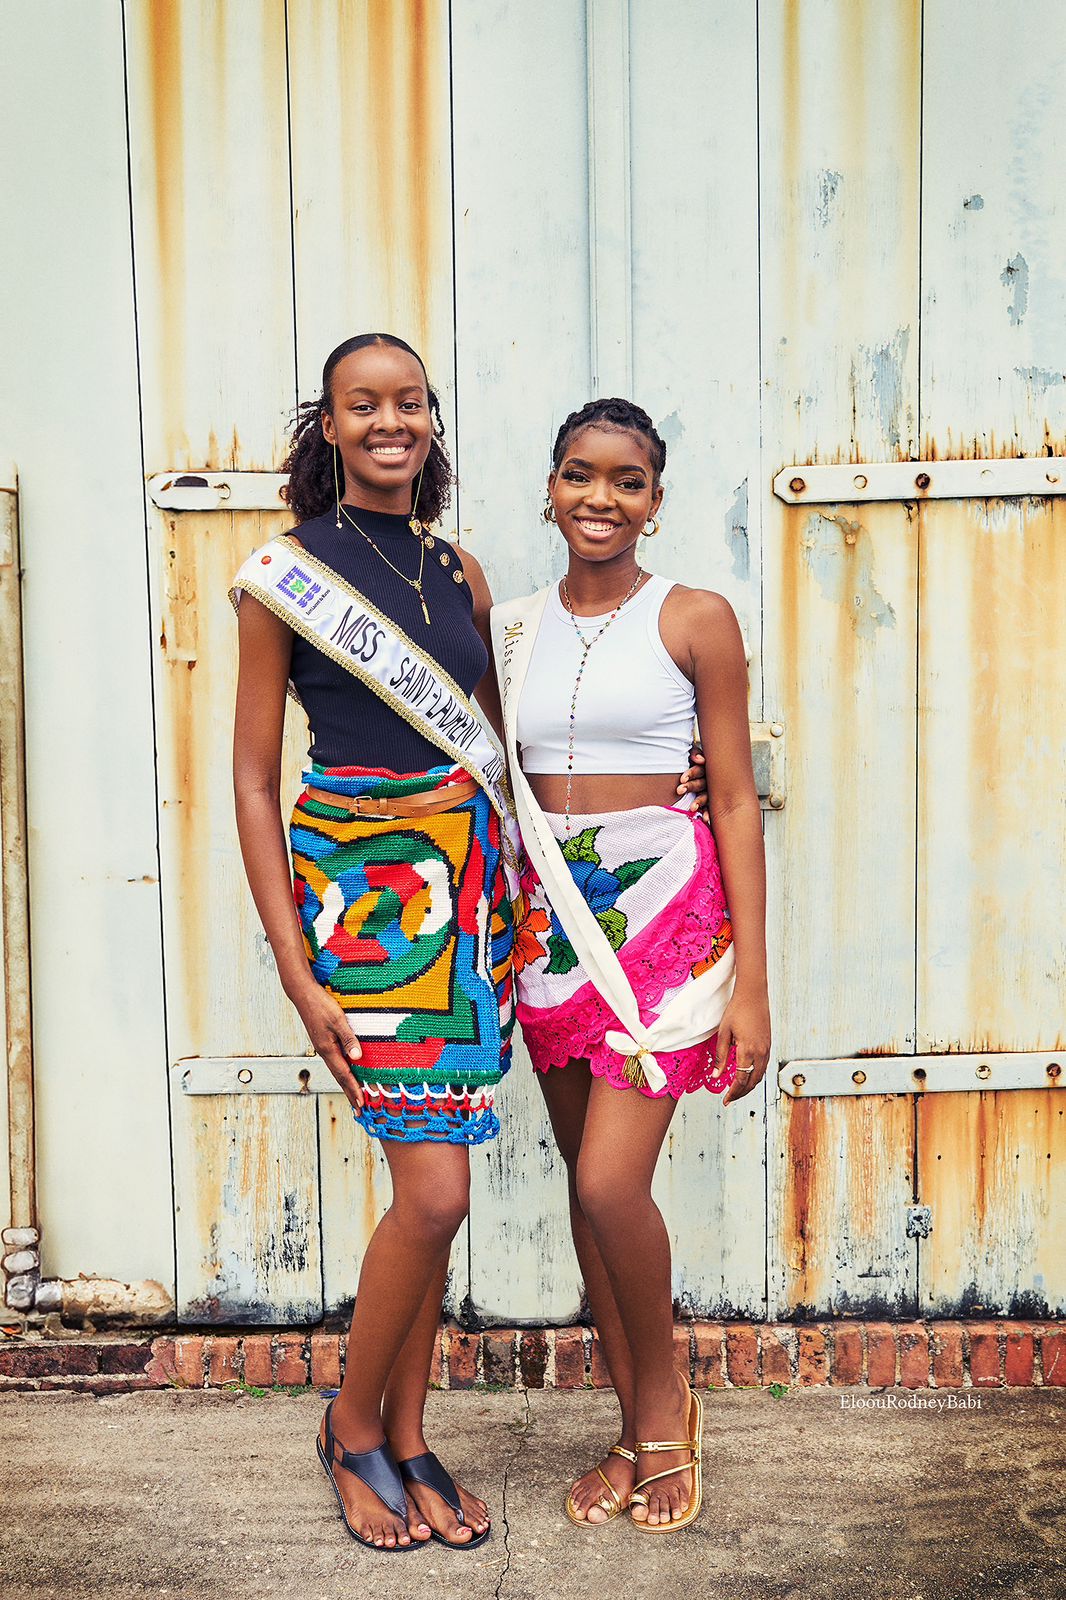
633 1072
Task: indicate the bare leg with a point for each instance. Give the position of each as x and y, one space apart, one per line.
402 1415
620 1145
430 1199
566 1094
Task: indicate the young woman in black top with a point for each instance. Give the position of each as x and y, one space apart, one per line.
400 887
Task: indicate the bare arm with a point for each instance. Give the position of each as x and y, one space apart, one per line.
265 653
719 671
487 693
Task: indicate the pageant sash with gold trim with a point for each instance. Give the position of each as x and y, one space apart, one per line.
694 1014
330 614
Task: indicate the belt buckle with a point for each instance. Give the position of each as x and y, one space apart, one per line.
376 805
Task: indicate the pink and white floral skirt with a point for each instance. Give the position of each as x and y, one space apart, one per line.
651 877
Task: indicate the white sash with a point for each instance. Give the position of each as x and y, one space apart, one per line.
329 613
694 1014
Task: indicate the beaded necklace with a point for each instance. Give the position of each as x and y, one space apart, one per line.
586 646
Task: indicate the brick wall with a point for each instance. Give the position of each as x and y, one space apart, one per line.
873 1355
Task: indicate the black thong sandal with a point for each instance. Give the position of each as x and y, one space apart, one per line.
378 1470
427 1469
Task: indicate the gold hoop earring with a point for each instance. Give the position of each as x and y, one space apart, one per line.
549 510
650 534
337 482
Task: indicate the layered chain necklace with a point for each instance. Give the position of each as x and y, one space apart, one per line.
586 646
413 583
419 529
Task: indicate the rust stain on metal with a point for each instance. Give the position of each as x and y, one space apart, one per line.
960 446
992 1168
801 1219
14 881
185 539
834 65
404 80
1001 701
164 73
198 553
878 1126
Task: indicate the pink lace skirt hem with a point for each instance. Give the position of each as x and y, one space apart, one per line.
680 939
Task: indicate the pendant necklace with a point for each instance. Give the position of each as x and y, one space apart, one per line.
419 530
586 646
414 583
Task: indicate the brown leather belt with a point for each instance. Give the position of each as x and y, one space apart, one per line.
406 805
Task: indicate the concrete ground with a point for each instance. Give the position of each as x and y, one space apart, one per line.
817 1494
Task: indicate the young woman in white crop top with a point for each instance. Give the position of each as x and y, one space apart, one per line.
605 699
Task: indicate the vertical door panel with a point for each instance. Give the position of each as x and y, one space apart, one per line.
695 356
522 275
209 155
842 1182
992 1170
223 992
371 155
992 963
839 100
372 250
212 233
710 1185
246 1185
522 363
992 675
212 242
993 219
992 853
354 1186
69 420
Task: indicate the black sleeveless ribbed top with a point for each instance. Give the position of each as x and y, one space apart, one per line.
350 724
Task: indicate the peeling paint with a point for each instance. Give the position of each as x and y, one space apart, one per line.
1015 277
828 184
1040 377
973 202
672 430
882 370
736 532
840 555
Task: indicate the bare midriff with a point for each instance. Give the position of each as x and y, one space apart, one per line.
595 791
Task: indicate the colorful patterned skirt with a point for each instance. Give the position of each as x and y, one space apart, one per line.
408 925
651 877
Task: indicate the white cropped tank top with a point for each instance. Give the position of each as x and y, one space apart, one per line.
635 707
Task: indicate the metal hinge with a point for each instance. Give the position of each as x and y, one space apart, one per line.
998 478
768 762
255 1075
924 1074
218 491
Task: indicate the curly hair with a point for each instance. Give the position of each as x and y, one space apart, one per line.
311 489
613 413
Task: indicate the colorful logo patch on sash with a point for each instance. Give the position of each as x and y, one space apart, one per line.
300 586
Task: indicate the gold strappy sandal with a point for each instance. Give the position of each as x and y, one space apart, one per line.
693 1443
612 1506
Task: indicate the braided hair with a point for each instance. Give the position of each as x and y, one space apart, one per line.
311 489
618 414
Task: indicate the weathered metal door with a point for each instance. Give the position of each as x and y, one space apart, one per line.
803 235
274 1191
913 651
905 643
